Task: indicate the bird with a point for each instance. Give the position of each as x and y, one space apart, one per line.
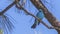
40 15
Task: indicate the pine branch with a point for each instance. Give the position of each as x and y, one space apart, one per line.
2 12
5 23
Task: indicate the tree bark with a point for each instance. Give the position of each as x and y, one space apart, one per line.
52 20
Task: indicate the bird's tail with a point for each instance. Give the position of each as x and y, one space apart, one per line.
35 24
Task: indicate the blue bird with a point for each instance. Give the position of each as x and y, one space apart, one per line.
40 15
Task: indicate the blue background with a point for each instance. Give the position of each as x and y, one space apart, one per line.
23 22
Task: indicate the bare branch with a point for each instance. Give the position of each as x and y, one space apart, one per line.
5 10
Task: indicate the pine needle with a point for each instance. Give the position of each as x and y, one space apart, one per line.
6 24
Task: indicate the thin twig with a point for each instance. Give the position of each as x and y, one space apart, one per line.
5 10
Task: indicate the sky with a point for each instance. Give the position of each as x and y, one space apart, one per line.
23 22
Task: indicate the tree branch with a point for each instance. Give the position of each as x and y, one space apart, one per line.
53 21
5 10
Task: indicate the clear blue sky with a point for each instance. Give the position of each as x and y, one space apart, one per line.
24 22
